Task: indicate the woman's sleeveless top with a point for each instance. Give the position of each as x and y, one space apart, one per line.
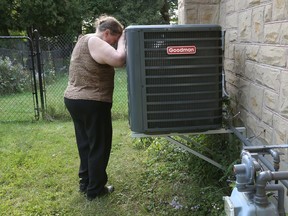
89 80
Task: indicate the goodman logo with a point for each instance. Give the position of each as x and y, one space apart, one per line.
181 50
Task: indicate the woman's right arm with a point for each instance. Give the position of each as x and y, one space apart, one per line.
104 53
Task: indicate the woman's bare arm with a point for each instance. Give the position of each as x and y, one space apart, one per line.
104 53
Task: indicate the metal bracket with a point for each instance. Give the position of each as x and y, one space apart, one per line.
187 148
195 152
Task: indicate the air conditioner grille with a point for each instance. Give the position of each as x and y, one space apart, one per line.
182 34
197 87
208 95
178 92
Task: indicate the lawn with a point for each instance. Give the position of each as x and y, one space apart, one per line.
38 175
39 164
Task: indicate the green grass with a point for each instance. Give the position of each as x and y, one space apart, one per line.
120 98
39 164
39 172
38 175
20 107
55 91
17 107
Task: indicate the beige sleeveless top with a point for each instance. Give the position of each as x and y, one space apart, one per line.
88 80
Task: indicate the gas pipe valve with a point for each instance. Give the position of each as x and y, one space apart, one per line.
245 172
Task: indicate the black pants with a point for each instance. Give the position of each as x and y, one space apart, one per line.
93 130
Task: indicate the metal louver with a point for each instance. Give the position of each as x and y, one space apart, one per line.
174 78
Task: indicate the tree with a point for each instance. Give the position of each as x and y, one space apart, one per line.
141 12
6 12
54 17
50 17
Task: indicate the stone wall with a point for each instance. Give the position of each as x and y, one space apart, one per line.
256 66
256 62
256 69
198 11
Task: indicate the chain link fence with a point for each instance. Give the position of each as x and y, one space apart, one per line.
19 90
18 100
55 56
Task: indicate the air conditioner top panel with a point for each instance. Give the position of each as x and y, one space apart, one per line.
192 27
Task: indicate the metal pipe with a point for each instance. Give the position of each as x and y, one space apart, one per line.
261 158
266 162
276 160
260 196
240 136
261 182
280 189
224 91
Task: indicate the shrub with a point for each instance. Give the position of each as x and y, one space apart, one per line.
14 78
201 185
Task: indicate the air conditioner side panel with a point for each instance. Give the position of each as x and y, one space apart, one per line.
135 80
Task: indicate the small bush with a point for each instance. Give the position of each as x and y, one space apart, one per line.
14 78
200 185
223 148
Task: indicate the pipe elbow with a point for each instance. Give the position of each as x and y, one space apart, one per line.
263 178
260 196
275 155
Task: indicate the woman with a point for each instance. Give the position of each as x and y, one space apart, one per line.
88 98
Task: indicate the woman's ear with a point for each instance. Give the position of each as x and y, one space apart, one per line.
107 32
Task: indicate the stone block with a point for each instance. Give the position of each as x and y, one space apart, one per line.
229 65
192 15
257 24
284 34
279 10
208 14
250 71
283 100
256 100
268 77
230 6
267 116
222 15
272 55
253 2
232 20
231 50
242 4
252 52
267 134
268 13
233 93
245 25
271 100
233 36
231 78
244 93
202 1
272 32
259 132
280 129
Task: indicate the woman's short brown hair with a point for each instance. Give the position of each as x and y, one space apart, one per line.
108 22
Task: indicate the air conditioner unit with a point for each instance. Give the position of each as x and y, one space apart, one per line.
174 78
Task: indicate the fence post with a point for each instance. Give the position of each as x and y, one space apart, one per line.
40 77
